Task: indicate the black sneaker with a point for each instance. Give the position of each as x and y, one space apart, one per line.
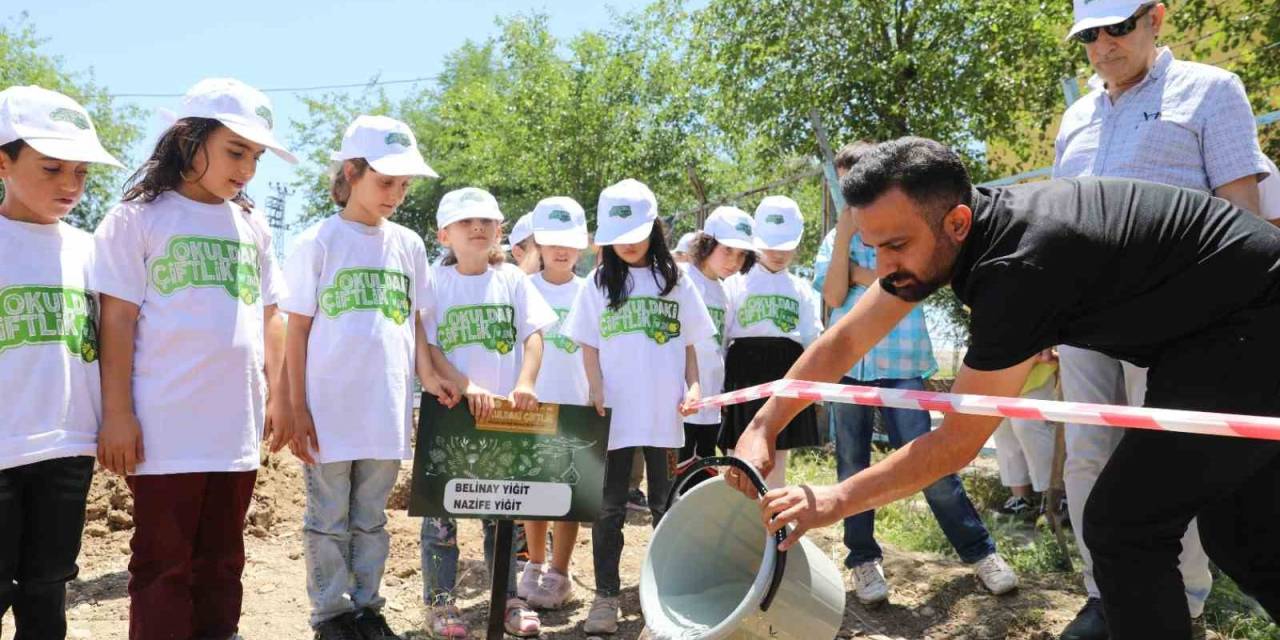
372 626
1017 507
636 501
1090 623
342 627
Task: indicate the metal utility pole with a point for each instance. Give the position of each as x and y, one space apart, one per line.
275 207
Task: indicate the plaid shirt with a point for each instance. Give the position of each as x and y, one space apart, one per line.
1186 124
907 351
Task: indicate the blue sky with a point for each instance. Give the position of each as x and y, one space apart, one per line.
149 46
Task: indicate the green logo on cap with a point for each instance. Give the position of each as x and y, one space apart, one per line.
265 114
774 218
395 137
743 227
76 118
561 215
620 211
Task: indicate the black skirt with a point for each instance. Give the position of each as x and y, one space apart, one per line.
753 361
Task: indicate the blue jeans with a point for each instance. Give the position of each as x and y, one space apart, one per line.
951 506
439 545
345 531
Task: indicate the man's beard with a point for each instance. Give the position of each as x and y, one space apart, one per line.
909 287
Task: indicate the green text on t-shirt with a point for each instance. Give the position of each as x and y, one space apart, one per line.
35 314
717 317
200 261
657 318
783 311
557 339
491 326
359 289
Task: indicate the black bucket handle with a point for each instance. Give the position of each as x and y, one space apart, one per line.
780 565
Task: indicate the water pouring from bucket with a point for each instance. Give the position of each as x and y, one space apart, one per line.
713 572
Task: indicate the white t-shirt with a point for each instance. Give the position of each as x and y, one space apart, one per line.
481 322
48 344
362 285
200 275
710 351
763 304
642 355
562 379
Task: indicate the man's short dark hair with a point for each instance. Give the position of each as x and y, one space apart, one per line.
849 154
928 172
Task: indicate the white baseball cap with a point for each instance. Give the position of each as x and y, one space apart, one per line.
625 213
387 144
240 107
522 229
465 203
52 124
732 227
1100 13
685 243
779 224
559 221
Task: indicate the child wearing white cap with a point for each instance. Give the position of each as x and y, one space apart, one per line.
357 285
637 322
192 358
773 315
725 247
48 353
683 247
523 247
559 234
486 322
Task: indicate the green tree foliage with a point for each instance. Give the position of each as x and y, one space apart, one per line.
963 72
1243 37
527 116
22 63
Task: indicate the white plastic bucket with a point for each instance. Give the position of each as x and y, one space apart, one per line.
710 567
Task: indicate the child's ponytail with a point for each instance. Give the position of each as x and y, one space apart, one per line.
340 186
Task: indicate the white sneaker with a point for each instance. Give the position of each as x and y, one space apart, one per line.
603 617
529 579
996 574
553 592
869 584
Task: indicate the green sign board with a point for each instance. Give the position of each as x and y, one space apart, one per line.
523 465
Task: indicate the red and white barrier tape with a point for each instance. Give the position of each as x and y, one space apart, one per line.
1215 424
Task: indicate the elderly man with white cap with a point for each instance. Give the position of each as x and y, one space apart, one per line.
1148 117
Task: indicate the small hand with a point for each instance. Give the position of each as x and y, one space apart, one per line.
480 401
304 442
597 400
523 398
278 430
120 443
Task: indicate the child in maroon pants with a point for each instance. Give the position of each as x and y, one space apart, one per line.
192 359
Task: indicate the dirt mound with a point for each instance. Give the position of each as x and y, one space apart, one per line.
277 500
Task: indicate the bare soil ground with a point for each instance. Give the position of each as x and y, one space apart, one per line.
932 596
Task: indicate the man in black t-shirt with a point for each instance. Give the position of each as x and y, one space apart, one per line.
1171 279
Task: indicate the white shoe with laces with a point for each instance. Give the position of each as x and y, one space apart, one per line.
869 584
996 574
554 591
530 578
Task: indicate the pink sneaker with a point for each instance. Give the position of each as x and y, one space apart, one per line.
521 621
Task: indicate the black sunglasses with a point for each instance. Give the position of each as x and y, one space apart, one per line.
1118 30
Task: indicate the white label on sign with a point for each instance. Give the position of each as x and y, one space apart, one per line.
507 497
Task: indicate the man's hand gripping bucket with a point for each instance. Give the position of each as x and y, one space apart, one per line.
713 572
